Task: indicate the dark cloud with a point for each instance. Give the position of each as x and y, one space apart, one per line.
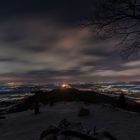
67 11
42 41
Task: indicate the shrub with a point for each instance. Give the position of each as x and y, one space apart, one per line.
83 112
122 101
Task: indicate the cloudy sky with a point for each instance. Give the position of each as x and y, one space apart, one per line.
42 41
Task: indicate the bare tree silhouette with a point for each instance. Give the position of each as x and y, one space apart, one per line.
121 19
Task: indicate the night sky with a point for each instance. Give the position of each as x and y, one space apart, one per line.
43 41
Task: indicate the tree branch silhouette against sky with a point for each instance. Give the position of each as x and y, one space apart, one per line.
42 41
120 19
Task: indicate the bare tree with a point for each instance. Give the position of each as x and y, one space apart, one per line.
121 19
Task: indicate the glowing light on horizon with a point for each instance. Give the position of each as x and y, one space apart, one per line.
64 85
11 84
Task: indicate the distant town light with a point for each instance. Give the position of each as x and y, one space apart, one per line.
11 84
64 85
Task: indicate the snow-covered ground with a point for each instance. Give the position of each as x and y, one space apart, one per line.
26 126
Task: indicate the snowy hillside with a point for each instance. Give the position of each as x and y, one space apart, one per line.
26 126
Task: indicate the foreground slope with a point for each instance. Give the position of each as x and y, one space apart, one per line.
26 126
